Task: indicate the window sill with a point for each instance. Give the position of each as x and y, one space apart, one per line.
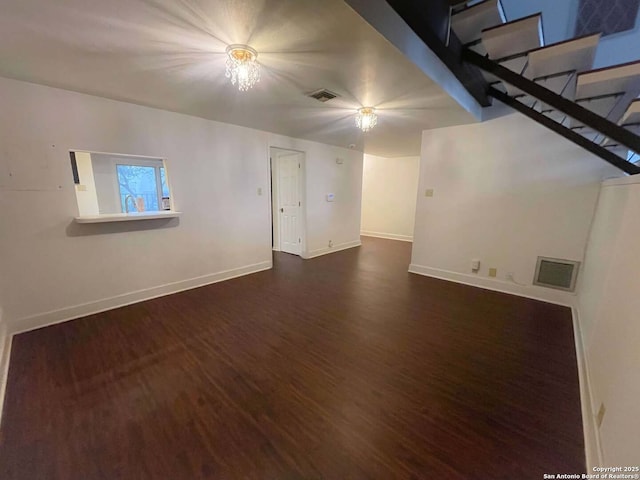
127 217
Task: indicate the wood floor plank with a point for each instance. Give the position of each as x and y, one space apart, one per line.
344 366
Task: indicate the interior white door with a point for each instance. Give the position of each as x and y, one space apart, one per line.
289 203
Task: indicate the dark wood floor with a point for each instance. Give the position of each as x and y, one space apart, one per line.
341 367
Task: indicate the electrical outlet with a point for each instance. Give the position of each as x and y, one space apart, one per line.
259 191
81 188
600 417
475 265
428 192
330 243
493 272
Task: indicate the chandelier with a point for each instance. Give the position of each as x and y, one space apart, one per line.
242 66
366 118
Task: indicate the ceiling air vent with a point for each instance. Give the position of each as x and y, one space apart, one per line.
323 95
556 273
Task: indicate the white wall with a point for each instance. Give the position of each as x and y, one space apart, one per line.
505 191
389 189
609 312
104 168
337 221
53 269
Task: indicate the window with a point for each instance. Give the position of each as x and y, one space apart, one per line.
606 16
142 188
111 184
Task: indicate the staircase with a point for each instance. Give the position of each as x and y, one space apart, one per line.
556 84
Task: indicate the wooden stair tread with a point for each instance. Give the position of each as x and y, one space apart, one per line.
519 36
470 22
573 55
632 115
619 78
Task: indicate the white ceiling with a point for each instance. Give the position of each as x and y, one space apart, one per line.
169 54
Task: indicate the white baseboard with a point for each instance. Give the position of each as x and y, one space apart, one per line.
388 236
533 292
82 310
592 442
5 353
326 251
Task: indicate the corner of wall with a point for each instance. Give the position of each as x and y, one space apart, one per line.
593 451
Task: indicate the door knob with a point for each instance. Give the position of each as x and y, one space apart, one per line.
282 210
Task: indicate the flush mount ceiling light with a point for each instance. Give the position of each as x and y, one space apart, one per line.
366 118
242 66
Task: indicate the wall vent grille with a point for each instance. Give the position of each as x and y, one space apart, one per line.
323 95
556 273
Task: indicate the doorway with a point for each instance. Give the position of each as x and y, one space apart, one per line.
286 200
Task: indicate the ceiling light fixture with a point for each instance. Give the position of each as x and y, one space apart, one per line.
242 66
366 118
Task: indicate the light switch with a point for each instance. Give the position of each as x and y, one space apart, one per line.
428 192
259 191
